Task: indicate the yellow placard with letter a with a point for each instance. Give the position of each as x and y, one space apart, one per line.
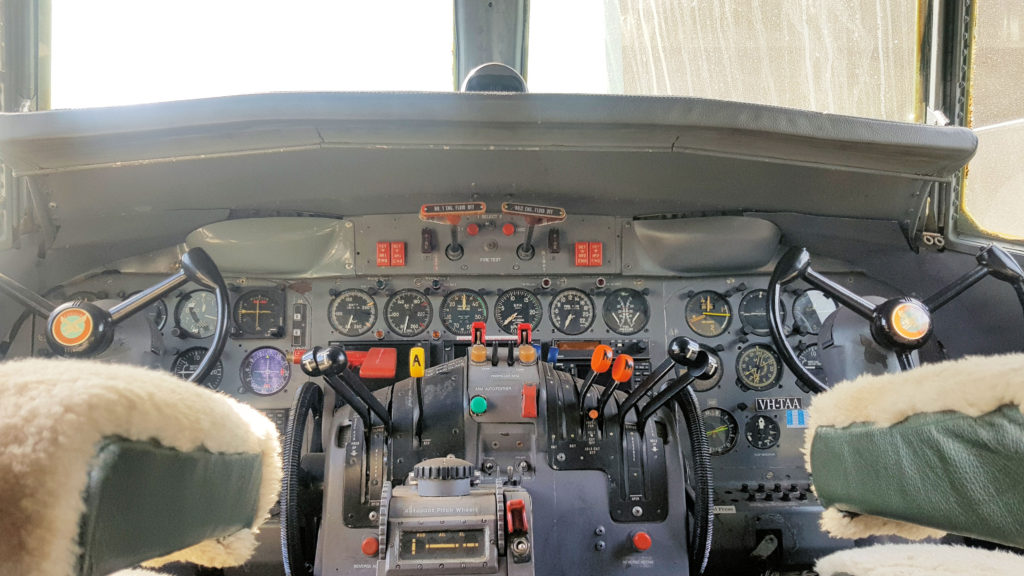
417 362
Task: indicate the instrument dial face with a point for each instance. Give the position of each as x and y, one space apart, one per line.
762 432
515 307
265 371
352 312
626 311
196 314
705 385
753 312
810 359
408 312
810 310
759 367
157 312
259 312
572 311
460 309
708 313
722 430
186 364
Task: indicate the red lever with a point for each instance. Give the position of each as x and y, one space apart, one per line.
622 369
515 517
601 360
529 401
525 331
478 333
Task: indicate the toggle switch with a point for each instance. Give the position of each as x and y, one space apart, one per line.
529 401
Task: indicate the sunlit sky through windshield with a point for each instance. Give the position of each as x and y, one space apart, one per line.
109 52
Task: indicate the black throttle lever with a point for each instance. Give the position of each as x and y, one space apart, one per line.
332 364
681 351
704 367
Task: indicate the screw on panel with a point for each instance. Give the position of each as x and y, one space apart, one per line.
637 511
599 545
560 457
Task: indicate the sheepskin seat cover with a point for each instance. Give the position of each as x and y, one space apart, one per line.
974 387
53 416
920 560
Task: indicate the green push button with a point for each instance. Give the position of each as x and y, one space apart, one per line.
478 405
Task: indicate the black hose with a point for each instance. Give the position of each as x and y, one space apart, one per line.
298 554
704 516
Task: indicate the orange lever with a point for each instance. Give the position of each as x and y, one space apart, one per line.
601 360
622 369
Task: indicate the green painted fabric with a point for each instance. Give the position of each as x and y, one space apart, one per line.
144 501
946 470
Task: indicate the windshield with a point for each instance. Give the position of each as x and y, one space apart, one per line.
839 56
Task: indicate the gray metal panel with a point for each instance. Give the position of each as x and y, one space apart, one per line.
490 252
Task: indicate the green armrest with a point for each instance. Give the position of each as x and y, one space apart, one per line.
144 500
943 470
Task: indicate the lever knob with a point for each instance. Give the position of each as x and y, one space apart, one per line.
322 361
622 368
683 351
601 360
417 362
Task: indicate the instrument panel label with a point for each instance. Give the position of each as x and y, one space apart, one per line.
546 212
777 404
452 209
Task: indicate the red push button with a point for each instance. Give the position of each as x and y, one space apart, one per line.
596 254
472 229
529 400
371 546
641 541
508 229
383 254
398 253
297 355
582 253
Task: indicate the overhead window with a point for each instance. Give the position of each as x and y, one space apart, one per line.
112 52
993 191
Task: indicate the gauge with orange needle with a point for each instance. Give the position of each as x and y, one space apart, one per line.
259 312
708 313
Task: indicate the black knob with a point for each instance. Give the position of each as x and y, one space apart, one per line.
744 488
777 488
760 487
785 497
768 497
751 498
683 350
802 496
320 361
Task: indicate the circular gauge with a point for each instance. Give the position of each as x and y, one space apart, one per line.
809 358
753 312
708 313
352 313
408 312
762 432
810 309
157 312
515 307
259 312
572 311
186 364
196 314
705 385
758 367
460 309
722 430
626 311
265 371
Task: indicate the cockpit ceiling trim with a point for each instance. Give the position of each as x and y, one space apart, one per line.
61 140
